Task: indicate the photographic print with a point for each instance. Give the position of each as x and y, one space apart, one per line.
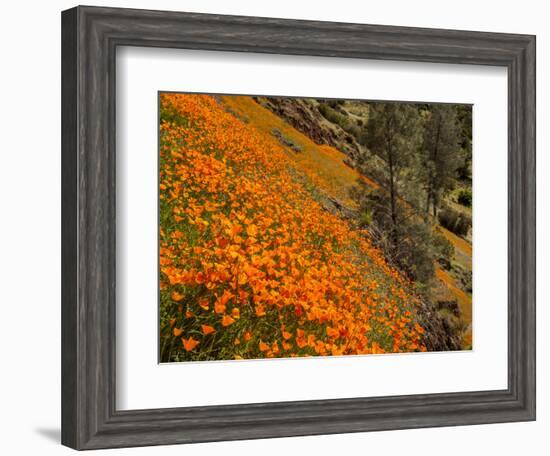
296 227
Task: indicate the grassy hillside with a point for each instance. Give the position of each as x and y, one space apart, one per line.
326 165
321 162
252 265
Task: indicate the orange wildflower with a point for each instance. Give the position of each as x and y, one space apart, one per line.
247 244
176 296
189 344
227 320
206 329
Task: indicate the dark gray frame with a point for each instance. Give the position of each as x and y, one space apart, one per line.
90 36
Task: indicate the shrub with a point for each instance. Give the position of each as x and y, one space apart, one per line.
465 197
330 114
335 104
454 221
415 256
464 275
444 250
406 245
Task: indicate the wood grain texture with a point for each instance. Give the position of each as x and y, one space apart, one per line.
69 284
89 39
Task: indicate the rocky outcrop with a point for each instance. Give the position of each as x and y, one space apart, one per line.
304 115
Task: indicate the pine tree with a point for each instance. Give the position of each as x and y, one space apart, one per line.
440 153
392 134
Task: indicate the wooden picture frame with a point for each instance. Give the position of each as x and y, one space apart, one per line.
90 36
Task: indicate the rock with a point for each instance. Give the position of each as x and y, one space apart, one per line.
286 141
303 115
336 207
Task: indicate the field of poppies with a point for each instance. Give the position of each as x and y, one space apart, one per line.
251 264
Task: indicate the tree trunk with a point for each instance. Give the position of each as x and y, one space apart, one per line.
428 196
392 189
432 181
428 202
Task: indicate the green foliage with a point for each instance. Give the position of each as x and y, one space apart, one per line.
392 134
455 221
365 218
334 103
465 197
444 250
408 244
464 115
419 148
415 250
465 277
440 153
329 113
339 118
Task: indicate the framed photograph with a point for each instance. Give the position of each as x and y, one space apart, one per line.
278 228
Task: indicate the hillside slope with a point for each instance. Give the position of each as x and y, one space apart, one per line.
252 265
328 167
